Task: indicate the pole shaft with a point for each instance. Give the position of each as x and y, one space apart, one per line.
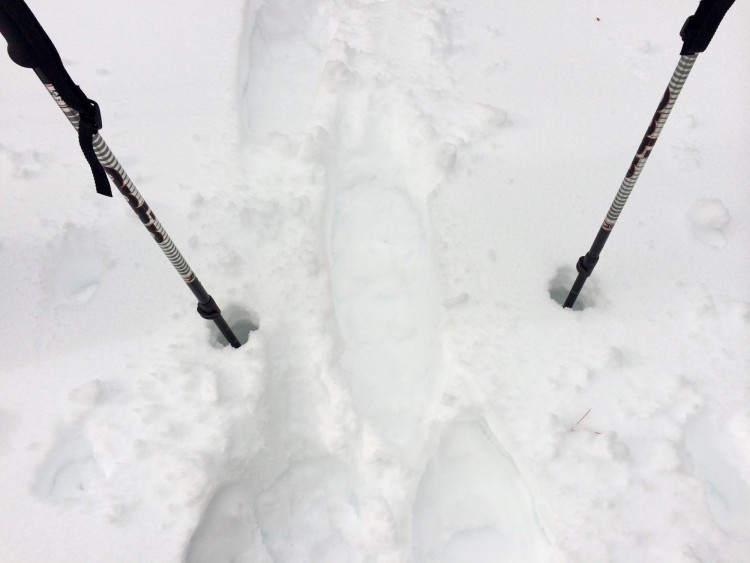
587 262
126 186
207 307
649 139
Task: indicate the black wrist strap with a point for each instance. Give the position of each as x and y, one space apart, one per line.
88 126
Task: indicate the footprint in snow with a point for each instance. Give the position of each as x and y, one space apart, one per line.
26 163
716 461
227 531
708 220
282 61
386 304
472 503
75 266
309 514
69 469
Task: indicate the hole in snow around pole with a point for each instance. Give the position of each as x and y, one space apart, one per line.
241 320
559 288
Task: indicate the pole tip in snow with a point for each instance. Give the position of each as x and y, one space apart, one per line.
210 311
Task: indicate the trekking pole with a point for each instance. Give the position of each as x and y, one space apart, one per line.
30 47
696 34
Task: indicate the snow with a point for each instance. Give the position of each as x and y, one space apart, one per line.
387 199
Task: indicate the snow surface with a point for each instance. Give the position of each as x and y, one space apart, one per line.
396 193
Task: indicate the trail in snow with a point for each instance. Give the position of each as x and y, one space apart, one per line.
375 158
386 306
383 280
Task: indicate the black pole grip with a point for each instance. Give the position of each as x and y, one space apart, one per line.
29 46
21 30
699 28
